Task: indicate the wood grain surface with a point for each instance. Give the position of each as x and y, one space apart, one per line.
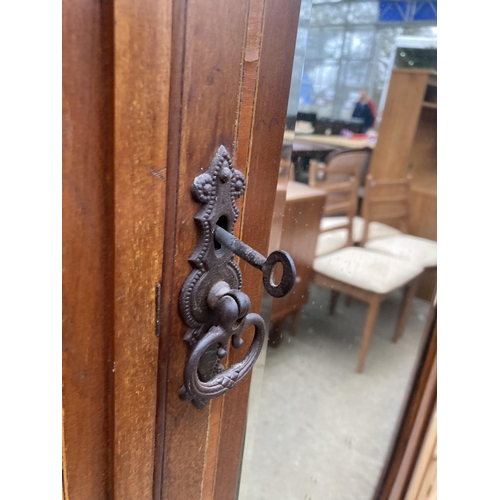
391 155
142 32
143 79
414 418
423 484
207 47
279 32
218 103
88 258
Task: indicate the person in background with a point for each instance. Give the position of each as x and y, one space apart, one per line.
365 109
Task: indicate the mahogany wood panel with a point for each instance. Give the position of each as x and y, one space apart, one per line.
141 76
279 33
142 32
217 105
391 155
413 420
207 50
222 475
423 484
416 438
87 251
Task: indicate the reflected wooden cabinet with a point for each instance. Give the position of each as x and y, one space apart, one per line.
407 144
303 210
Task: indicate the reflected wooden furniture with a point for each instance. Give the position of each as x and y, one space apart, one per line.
332 176
304 152
389 201
304 147
375 277
334 171
407 143
307 147
338 141
364 274
303 209
343 202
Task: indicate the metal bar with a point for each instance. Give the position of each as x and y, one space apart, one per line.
248 254
378 25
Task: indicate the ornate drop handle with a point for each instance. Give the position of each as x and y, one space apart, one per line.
211 301
232 308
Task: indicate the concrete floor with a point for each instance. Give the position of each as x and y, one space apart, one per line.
321 431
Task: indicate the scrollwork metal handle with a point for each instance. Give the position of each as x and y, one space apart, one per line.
233 319
211 302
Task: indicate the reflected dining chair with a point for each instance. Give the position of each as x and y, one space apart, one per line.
361 273
324 175
389 200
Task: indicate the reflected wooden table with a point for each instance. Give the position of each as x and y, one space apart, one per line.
310 146
303 210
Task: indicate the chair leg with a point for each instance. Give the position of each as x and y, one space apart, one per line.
295 322
371 318
409 294
334 297
348 300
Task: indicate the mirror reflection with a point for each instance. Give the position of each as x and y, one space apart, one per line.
356 209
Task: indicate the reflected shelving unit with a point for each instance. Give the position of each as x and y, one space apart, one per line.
407 144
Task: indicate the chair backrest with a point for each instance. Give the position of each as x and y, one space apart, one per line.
358 157
340 181
332 176
386 200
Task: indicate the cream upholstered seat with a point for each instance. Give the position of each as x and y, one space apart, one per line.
389 199
362 268
412 248
328 223
330 241
357 272
375 229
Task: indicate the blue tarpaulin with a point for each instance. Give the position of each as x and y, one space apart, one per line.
407 11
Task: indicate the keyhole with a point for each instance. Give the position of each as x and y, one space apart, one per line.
222 222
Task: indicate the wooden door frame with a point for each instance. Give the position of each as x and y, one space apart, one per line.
414 419
136 135
88 249
260 41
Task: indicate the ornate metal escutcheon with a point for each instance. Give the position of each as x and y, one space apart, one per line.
211 302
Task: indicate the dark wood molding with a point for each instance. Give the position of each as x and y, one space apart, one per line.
87 254
265 139
414 419
206 78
